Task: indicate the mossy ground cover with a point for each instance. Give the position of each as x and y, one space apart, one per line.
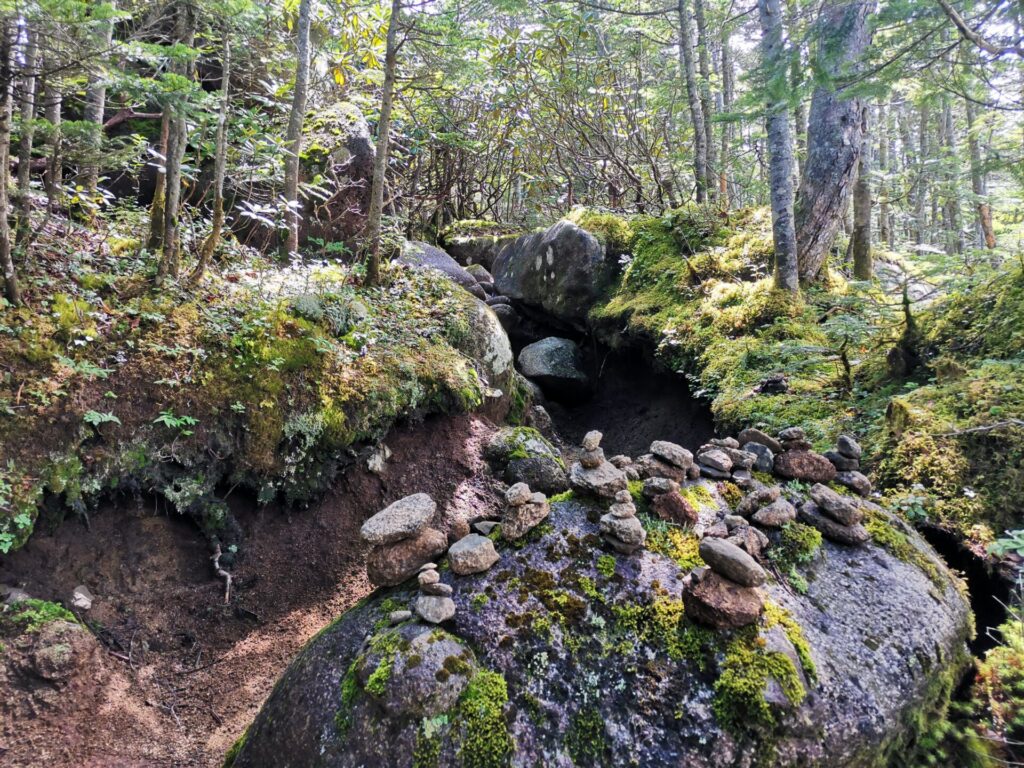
261 376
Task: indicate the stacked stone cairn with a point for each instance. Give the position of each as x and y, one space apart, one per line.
724 594
667 460
594 475
797 460
667 503
402 539
620 526
434 603
766 507
837 517
526 510
846 459
723 459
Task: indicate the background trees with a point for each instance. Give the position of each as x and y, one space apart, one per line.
518 111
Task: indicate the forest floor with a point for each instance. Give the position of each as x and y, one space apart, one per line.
182 674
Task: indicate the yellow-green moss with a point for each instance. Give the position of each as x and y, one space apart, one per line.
485 741
31 615
885 534
585 740
679 545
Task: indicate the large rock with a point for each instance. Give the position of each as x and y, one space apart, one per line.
477 249
510 443
562 271
603 481
392 564
472 554
488 344
401 520
557 635
539 472
720 603
426 256
804 465
557 366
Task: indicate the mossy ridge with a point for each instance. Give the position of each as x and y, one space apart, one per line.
31 615
885 533
281 387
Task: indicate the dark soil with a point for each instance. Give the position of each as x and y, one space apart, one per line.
633 406
181 674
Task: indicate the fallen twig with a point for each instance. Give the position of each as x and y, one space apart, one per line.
222 573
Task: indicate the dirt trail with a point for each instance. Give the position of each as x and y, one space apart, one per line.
182 674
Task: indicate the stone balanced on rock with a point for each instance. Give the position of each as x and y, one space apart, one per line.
667 460
401 539
526 510
434 603
593 475
620 526
724 595
838 517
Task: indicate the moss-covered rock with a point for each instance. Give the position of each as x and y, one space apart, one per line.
588 658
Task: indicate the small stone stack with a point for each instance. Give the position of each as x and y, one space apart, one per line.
667 503
593 474
434 603
724 595
526 510
798 462
766 507
667 460
762 445
846 459
401 539
837 517
620 526
723 459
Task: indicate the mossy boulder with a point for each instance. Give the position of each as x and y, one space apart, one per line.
576 656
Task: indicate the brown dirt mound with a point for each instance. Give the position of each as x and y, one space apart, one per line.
178 675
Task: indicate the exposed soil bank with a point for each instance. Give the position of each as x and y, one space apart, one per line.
633 405
182 674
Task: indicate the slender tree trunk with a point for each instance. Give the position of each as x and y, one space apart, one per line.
728 129
293 139
53 177
982 209
219 165
921 179
706 104
95 105
860 241
177 141
780 146
833 135
380 160
951 212
156 208
28 116
689 72
11 290
796 76
884 216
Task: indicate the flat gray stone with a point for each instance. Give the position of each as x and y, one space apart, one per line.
730 561
472 554
435 608
674 454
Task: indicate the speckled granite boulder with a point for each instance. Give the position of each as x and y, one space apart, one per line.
565 653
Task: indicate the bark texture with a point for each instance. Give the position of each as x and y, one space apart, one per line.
293 138
834 133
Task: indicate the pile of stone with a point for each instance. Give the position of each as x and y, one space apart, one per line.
472 554
798 461
724 595
593 474
838 517
620 526
667 503
763 446
723 459
846 459
667 460
766 507
434 603
402 539
526 510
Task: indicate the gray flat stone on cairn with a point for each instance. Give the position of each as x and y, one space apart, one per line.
526 510
472 554
851 535
620 526
434 603
728 560
603 480
401 520
672 453
752 435
775 515
842 509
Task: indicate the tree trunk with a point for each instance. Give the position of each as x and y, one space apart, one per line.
860 241
780 146
951 203
219 165
177 141
53 177
728 129
833 135
28 116
884 217
921 179
11 289
706 105
92 114
795 76
380 160
293 139
982 209
156 208
689 72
